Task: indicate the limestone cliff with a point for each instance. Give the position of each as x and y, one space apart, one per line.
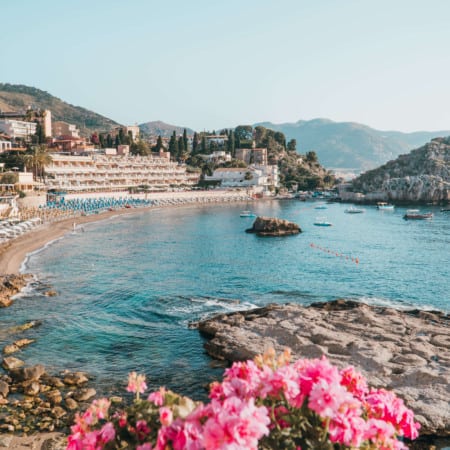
422 176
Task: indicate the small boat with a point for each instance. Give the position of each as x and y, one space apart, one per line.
322 222
445 209
385 206
353 210
415 214
247 213
321 207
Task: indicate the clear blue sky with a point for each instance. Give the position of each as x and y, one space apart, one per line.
208 64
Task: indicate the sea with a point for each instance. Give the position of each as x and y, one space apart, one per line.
128 288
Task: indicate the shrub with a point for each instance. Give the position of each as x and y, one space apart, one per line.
267 403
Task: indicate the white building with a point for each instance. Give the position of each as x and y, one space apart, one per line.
259 178
17 128
238 177
114 173
218 155
5 145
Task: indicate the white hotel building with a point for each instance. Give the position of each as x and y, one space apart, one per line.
17 128
116 173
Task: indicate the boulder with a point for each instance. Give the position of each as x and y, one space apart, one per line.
12 363
27 373
271 226
407 352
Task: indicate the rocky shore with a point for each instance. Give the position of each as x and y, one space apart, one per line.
404 351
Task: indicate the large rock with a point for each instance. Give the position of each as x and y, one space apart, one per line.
408 352
10 285
271 226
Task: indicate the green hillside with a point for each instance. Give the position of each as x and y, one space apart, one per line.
15 97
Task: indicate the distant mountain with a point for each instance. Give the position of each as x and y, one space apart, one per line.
16 97
423 175
351 145
157 128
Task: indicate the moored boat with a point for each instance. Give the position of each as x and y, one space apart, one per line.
385 206
322 222
353 210
247 213
415 214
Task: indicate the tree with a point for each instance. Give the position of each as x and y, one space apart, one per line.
203 145
141 148
9 178
181 147
37 160
231 144
39 135
195 143
117 140
185 140
173 145
244 136
109 141
311 157
159 144
292 145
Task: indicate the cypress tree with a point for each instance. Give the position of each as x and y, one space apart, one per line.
159 144
185 140
173 146
195 143
203 145
181 147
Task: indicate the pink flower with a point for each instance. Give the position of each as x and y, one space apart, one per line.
99 408
107 433
312 371
145 446
326 399
136 383
157 397
165 416
354 382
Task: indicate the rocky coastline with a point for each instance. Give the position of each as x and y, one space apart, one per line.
405 351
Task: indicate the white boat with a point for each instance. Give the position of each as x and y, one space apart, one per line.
247 213
322 222
385 206
353 210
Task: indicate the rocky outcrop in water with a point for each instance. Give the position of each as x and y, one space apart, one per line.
271 226
408 352
10 285
421 176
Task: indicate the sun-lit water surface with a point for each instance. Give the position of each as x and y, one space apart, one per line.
128 287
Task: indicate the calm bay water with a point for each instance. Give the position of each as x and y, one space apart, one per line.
128 287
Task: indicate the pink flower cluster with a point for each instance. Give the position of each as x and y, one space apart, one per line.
256 400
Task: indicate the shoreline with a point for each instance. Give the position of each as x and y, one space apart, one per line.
14 253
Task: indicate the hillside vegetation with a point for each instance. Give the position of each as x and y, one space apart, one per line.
16 97
349 145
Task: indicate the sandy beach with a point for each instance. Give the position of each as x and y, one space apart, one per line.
15 251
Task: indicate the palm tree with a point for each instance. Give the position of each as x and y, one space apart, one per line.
37 160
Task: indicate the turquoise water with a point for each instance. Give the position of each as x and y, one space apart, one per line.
128 287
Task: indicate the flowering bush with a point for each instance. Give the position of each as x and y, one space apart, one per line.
267 403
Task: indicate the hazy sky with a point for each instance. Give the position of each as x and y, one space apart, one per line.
207 64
